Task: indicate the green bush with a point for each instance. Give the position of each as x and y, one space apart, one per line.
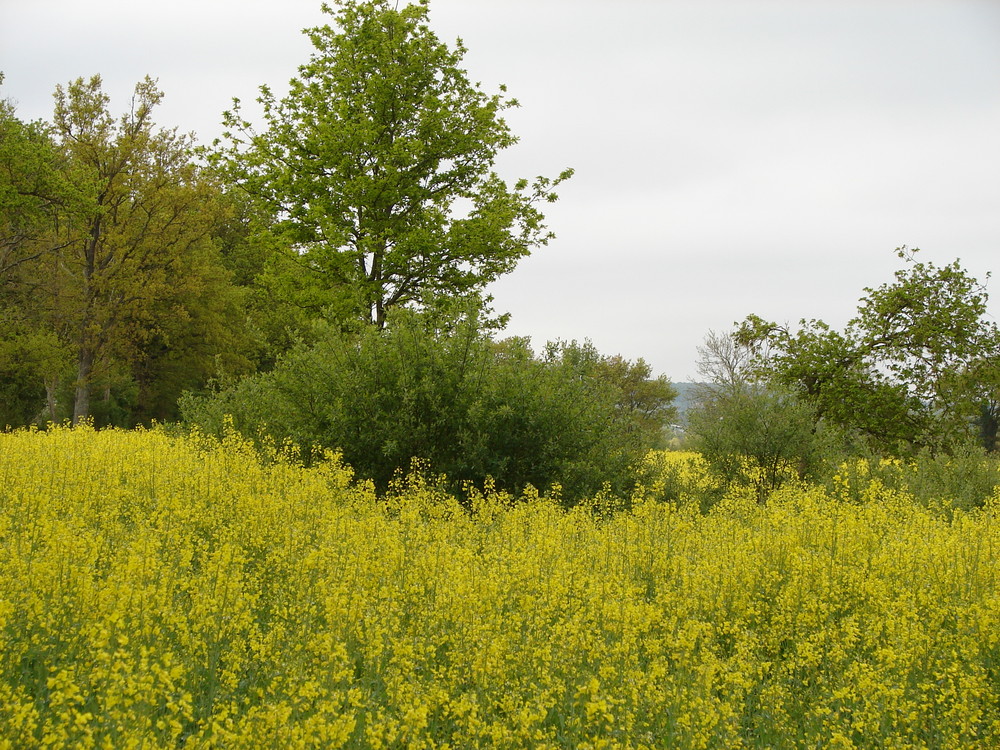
446 392
756 435
963 479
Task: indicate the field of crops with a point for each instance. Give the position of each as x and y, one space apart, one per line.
168 592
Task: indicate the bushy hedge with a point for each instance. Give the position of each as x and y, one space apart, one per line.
448 393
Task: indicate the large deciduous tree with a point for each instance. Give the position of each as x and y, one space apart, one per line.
377 168
138 247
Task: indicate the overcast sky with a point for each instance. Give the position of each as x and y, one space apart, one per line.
731 157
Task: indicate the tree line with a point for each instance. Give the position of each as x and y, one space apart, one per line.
317 276
115 292
136 265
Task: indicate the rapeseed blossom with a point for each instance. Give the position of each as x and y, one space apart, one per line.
160 591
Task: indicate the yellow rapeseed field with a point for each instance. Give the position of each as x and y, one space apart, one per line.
175 592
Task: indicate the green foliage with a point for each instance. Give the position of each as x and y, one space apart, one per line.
33 194
917 366
109 254
645 401
756 435
980 380
963 480
750 432
32 362
139 246
282 297
444 391
375 171
829 370
33 190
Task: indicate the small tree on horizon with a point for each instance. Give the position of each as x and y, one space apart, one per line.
750 431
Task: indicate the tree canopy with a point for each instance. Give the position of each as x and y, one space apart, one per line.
376 169
916 367
112 274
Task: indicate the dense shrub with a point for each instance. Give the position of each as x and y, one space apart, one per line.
756 435
450 394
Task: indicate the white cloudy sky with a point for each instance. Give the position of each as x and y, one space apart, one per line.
732 157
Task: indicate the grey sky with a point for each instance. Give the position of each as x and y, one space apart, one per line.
732 157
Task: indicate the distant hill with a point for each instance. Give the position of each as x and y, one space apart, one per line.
684 400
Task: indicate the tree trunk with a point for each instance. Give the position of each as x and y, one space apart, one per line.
81 405
989 422
51 405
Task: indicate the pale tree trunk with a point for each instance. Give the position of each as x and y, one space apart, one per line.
81 405
85 359
51 405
